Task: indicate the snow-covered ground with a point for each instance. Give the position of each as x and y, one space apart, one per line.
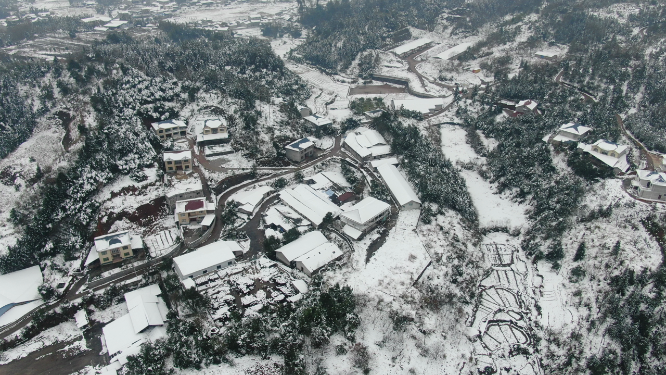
61 333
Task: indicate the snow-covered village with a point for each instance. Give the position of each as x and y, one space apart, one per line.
271 187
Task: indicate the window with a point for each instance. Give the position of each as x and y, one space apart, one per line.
127 254
115 251
105 259
219 267
125 247
205 271
230 263
649 184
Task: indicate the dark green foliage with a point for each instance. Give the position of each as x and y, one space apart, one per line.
580 252
379 191
194 300
588 168
279 29
577 274
150 360
358 106
47 292
326 221
191 347
271 244
17 119
291 235
280 183
616 249
555 254
350 173
436 179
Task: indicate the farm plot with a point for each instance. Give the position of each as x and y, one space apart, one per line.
163 242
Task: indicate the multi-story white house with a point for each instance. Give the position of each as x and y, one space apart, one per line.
215 131
170 129
175 161
363 216
299 150
116 247
570 132
650 185
193 211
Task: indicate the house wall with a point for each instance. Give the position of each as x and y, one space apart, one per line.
367 226
175 132
184 196
411 206
204 271
656 192
172 165
107 256
299 156
188 217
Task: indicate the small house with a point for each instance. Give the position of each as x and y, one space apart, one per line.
570 132
526 107
300 150
309 253
170 129
193 211
366 144
318 121
400 189
214 132
363 216
610 153
249 200
178 161
116 247
183 190
650 185
210 258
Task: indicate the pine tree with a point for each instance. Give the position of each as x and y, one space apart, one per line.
616 249
580 252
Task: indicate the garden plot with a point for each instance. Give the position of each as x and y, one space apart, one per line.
502 310
247 287
162 242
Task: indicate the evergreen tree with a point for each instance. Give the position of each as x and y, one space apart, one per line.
580 252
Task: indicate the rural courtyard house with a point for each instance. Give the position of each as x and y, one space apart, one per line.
610 153
215 131
170 129
366 144
650 185
177 161
300 150
209 258
193 211
570 132
116 247
183 190
309 253
360 218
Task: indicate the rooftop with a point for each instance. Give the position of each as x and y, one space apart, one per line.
575 128
319 256
657 178
194 204
301 144
365 210
177 155
168 124
206 256
367 142
302 245
409 46
610 146
112 241
318 120
310 203
215 123
454 51
20 286
421 105
398 185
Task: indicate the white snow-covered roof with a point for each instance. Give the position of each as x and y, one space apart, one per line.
656 178
547 53
215 123
318 120
300 285
96 18
177 155
337 178
324 180
168 124
377 163
367 142
410 46
528 103
454 51
300 144
115 23
184 186
206 256
620 163
208 220
312 204
574 128
319 257
398 185
121 340
81 318
146 308
20 287
365 210
211 137
352 232
610 146
112 241
302 245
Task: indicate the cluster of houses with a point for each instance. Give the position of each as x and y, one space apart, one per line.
648 184
523 107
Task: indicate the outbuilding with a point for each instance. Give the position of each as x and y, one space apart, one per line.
399 187
209 258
